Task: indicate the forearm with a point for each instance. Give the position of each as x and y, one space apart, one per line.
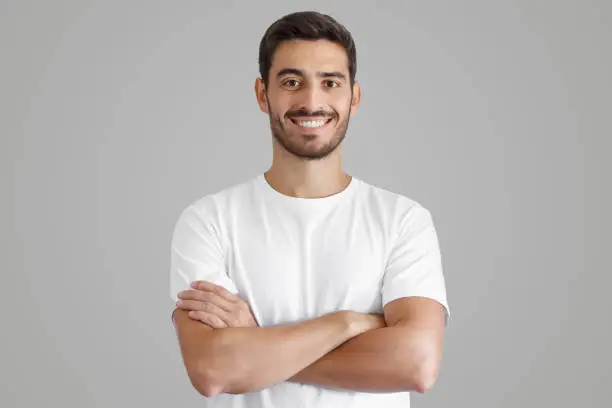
388 359
240 360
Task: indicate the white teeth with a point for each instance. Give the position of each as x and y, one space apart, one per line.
312 123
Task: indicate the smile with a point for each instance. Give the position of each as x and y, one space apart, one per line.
310 123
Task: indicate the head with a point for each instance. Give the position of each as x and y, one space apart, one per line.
307 65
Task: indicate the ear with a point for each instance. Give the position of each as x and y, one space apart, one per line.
260 94
356 97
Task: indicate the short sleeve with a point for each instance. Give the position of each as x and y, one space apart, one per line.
414 267
196 253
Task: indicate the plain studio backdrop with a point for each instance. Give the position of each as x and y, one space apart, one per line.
115 115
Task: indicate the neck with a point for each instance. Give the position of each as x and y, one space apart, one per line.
308 178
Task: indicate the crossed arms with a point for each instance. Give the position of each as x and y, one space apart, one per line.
225 352
398 352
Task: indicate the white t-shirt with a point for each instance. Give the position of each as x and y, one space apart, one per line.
294 259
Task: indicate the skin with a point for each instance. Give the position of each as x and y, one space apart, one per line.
308 80
215 306
238 360
399 351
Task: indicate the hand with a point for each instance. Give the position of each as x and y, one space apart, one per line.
375 321
215 306
363 322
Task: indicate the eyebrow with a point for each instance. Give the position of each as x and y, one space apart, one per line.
299 72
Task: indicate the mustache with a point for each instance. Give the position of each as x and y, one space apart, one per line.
306 114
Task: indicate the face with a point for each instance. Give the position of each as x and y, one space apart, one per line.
308 98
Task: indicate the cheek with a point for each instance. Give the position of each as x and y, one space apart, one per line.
343 106
277 110
278 104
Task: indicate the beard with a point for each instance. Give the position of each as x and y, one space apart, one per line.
297 145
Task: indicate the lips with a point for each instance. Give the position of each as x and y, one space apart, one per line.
310 123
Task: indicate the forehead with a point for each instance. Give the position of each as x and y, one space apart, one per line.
310 56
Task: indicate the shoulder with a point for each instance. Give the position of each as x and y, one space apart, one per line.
215 203
401 215
391 203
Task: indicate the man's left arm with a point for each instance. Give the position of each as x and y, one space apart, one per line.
405 356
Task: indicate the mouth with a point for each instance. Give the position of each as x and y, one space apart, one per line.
310 124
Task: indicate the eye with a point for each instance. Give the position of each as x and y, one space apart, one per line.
291 83
331 83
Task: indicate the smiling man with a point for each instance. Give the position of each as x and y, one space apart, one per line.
306 286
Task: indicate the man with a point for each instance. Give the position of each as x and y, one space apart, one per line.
306 286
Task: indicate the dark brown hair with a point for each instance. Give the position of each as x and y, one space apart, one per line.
305 25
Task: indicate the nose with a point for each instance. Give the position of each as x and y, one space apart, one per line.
311 99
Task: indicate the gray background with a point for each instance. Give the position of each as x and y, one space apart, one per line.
117 114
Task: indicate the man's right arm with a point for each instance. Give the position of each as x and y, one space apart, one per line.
246 359
241 359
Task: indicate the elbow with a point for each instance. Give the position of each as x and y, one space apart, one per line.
210 382
424 384
425 377
419 372
207 388
205 383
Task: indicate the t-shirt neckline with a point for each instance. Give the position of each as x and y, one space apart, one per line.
305 202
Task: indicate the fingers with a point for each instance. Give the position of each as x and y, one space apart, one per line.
209 307
216 289
199 306
206 297
216 306
208 319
